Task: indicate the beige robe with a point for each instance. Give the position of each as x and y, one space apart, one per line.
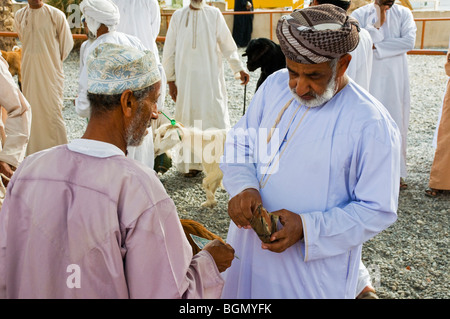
440 170
47 41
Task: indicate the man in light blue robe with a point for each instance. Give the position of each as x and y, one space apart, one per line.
320 152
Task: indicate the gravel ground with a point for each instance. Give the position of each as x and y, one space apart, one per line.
409 259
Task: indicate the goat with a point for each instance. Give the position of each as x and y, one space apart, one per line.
14 59
209 151
265 54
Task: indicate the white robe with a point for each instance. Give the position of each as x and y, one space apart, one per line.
340 174
390 77
196 42
145 152
360 67
141 18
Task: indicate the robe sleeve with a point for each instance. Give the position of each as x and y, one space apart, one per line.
227 45
367 17
18 123
158 236
373 205
168 58
396 46
64 35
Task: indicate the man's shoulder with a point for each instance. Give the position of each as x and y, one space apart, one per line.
278 77
362 104
211 8
402 10
19 13
120 38
55 11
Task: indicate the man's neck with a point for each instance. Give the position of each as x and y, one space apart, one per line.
103 29
343 81
105 129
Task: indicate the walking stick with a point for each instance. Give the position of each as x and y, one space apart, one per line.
245 98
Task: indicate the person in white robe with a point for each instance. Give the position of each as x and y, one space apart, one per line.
46 42
320 152
84 221
102 18
393 33
197 40
16 126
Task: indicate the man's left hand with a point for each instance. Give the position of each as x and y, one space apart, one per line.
287 236
245 77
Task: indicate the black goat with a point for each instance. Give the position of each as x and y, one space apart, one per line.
267 55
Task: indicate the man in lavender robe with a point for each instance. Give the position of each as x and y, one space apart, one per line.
84 221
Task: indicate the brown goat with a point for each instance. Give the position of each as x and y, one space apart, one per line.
195 228
14 59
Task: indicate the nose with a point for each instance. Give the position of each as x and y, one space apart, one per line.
300 86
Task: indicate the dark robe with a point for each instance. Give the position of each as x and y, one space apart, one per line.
242 24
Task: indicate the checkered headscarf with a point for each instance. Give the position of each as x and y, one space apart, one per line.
317 34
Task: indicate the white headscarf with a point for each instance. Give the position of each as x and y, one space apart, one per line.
99 12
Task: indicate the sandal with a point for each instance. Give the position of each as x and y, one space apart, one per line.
431 192
192 173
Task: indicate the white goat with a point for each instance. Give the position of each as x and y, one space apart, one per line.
205 145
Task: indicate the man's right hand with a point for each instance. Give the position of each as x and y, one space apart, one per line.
242 206
223 254
382 6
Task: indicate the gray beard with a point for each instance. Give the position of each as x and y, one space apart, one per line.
198 4
131 139
320 99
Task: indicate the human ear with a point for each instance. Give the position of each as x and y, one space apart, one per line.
127 101
343 63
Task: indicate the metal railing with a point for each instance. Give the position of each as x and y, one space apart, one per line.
422 38
420 51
